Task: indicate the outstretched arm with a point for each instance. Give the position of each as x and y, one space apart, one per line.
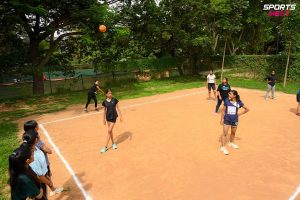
98 88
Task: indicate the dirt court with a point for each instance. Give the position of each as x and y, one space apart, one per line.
168 149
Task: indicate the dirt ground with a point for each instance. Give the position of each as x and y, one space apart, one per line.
170 150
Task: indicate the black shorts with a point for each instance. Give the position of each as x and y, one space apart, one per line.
298 98
112 120
231 123
211 86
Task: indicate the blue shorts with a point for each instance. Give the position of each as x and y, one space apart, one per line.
230 123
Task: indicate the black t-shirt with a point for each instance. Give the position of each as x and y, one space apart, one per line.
111 111
25 187
224 90
93 89
271 78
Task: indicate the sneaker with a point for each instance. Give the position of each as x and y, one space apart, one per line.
114 146
231 144
85 110
224 150
56 191
103 150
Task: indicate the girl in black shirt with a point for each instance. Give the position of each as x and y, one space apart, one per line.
92 95
222 93
110 115
22 180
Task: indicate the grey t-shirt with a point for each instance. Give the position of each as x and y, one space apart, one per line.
41 145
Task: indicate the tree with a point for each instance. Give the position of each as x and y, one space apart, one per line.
52 21
290 29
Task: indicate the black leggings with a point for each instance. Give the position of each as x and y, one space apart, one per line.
91 96
219 103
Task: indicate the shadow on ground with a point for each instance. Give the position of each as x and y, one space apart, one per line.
123 137
71 193
293 110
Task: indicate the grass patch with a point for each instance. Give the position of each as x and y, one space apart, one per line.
8 142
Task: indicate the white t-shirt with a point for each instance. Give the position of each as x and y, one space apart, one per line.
39 165
211 78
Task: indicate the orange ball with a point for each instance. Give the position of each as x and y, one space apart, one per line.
102 28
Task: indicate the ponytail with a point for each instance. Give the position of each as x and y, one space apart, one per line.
238 98
30 136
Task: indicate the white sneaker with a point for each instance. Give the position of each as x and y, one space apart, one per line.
114 146
56 191
231 144
224 150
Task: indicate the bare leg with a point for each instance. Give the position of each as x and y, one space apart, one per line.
232 135
110 131
108 135
209 94
215 94
224 135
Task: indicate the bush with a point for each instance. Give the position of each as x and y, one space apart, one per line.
259 66
294 70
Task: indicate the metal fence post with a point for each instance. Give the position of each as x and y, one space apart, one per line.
49 79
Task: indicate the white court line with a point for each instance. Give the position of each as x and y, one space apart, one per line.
294 196
75 178
130 106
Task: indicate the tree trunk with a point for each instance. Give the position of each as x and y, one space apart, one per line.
287 64
38 83
180 69
223 59
216 43
194 66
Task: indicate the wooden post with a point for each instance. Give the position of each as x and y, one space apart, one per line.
223 58
49 76
287 64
